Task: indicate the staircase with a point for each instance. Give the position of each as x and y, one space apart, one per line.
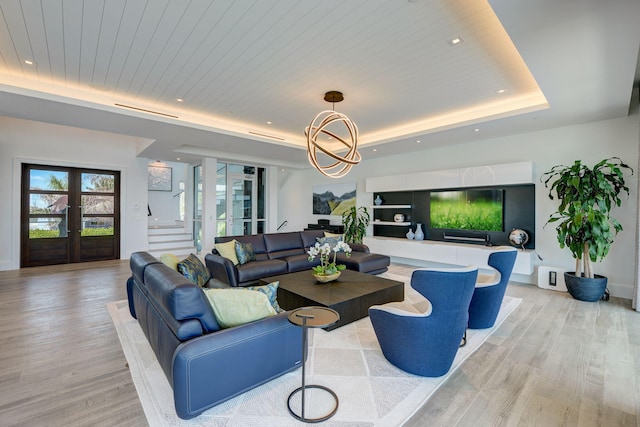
170 239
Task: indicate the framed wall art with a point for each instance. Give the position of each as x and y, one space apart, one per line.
333 199
159 178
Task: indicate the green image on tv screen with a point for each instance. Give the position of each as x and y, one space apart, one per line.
467 210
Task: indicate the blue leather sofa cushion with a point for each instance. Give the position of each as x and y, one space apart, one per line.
360 261
138 262
280 245
301 262
255 270
181 299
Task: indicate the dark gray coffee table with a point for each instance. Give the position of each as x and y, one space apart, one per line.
351 295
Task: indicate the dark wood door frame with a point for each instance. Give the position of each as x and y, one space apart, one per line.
73 241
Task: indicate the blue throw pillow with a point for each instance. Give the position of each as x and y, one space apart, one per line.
193 269
271 291
332 241
244 252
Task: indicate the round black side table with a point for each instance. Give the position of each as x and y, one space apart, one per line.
311 317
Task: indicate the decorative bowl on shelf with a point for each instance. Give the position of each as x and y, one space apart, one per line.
398 217
326 278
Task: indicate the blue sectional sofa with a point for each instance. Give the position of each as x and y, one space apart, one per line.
205 364
281 253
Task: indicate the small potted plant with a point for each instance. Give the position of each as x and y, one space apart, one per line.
583 219
355 221
328 270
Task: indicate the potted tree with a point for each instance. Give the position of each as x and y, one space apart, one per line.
355 221
583 219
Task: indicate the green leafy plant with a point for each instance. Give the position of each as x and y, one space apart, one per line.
355 221
587 196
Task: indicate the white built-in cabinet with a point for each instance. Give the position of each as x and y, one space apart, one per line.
476 176
446 252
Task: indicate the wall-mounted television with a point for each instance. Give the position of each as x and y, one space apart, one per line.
474 209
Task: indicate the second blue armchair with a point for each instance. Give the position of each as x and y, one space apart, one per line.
490 289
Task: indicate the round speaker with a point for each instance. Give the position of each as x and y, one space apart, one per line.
518 237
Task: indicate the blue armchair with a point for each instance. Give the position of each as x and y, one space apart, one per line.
490 289
423 338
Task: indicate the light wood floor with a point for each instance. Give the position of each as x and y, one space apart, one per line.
554 362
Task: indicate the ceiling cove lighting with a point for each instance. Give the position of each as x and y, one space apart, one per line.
339 165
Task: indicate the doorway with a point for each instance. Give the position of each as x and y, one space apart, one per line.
240 199
69 215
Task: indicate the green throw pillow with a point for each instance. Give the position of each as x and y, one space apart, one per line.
228 250
193 269
170 260
244 252
327 234
234 307
271 291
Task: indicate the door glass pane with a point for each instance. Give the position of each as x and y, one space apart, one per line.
262 192
47 203
221 191
197 207
97 226
97 204
242 169
45 228
97 183
221 200
241 206
181 185
48 180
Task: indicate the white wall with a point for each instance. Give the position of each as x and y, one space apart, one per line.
42 143
589 142
165 208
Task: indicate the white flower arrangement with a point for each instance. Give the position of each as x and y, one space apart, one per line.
325 250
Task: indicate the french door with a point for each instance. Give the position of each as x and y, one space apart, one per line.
69 215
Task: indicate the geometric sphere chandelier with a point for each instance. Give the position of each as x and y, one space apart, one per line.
339 164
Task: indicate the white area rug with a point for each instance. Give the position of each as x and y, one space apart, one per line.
348 360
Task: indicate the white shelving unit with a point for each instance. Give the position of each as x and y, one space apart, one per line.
398 224
391 223
390 207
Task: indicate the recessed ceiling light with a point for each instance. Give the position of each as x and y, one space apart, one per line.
28 62
179 100
418 142
177 158
476 130
455 41
501 91
268 123
375 149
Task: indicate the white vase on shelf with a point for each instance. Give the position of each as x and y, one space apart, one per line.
410 234
419 235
